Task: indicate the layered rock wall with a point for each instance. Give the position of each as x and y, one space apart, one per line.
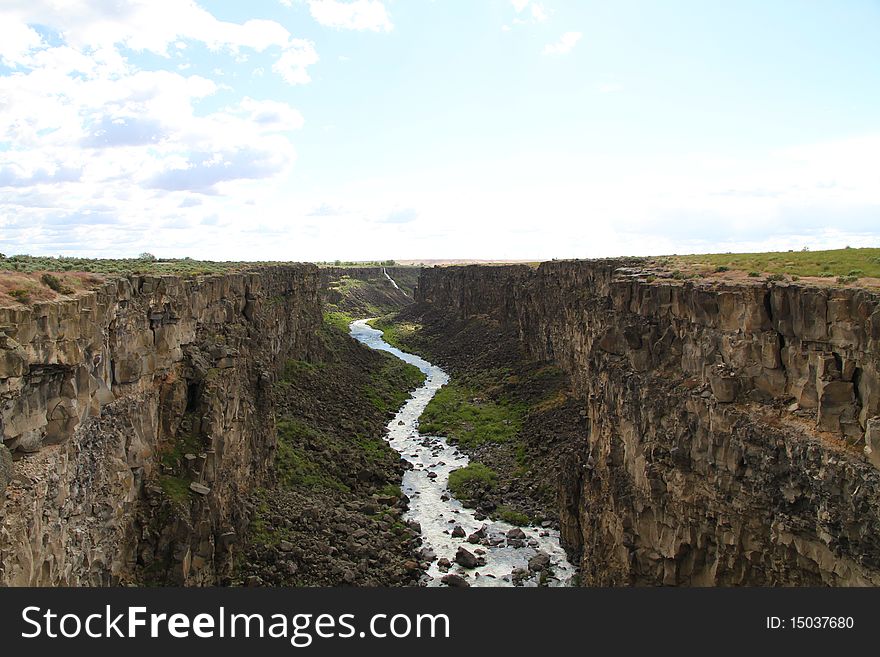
134 416
733 425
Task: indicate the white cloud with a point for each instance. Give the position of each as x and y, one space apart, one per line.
293 63
565 44
352 15
142 24
16 42
87 137
270 115
538 12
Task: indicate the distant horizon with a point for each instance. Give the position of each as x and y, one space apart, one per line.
415 261
499 130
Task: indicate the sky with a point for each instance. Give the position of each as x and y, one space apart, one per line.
490 129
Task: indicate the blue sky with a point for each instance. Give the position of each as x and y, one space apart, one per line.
324 129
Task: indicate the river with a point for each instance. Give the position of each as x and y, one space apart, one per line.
438 512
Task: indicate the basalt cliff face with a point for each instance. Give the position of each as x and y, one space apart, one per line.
135 417
734 433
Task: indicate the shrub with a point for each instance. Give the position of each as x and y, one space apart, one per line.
776 277
471 474
55 283
721 268
22 296
513 517
754 274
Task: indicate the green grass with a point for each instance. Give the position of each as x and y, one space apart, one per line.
397 334
459 414
508 515
176 489
293 466
475 472
390 385
826 264
338 319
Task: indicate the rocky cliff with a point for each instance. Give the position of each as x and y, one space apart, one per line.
732 426
133 417
367 291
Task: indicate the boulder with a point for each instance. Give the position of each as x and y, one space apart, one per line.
201 489
539 562
454 581
465 558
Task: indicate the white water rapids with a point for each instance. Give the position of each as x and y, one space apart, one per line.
437 511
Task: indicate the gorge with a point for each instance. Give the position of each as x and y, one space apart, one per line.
683 432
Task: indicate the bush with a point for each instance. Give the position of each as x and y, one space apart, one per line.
776 277
508 515
721 268
754 274
55 283
475 473
22 296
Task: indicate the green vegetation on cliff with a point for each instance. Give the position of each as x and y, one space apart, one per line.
848 264
337 481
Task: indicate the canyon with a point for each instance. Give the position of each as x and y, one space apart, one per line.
732 426
721 433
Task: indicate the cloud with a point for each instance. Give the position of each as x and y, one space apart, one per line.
293 63
565 44
12 175
270 115
124 131
403 216
202 171
537 13
352 15
326 210
88 135
142 25
16 42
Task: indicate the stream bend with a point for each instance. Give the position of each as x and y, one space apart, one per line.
437 512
